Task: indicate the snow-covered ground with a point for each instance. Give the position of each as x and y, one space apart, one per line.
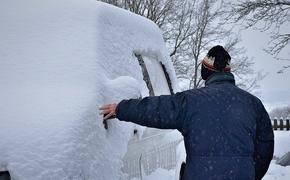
282 146
282 143
277 172
159 174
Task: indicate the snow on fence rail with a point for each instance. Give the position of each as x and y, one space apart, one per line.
140 165
281 124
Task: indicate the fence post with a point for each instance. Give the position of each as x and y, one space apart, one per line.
275 123
281 124
287 124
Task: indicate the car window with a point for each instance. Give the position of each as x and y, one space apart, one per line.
155 76
145 73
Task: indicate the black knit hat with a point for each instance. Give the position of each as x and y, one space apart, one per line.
217 59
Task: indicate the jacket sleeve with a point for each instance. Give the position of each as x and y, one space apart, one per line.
264 144
163 112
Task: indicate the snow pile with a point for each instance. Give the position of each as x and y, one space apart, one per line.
282 143
277 172
160 174
282 146
284 160
181 157
60 59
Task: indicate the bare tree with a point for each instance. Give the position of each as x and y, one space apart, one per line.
265 15
280 112
179 26
113 2
173 17
195 45
209 31
190 28
246 77
200 41
283 69
155 10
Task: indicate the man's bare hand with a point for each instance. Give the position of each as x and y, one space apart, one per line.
108 111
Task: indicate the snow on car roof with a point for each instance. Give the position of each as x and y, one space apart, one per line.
123 33
57 56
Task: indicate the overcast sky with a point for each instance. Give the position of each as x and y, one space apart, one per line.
275 88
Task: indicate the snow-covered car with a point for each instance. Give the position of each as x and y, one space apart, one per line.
59 61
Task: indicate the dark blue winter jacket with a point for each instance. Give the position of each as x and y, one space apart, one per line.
227 131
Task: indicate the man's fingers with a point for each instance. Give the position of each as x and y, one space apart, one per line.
108 116
106 111
105 107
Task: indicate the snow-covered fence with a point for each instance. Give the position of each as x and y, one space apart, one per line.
158 156
281 124
163 156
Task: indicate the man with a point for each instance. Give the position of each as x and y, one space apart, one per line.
227 131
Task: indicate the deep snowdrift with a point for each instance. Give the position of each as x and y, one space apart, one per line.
59 60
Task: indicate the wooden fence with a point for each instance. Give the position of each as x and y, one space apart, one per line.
281 124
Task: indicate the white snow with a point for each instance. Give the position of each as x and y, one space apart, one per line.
160 174
277 172
157 77
153 152
282 146
59 61
181 157
282 143
147 42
